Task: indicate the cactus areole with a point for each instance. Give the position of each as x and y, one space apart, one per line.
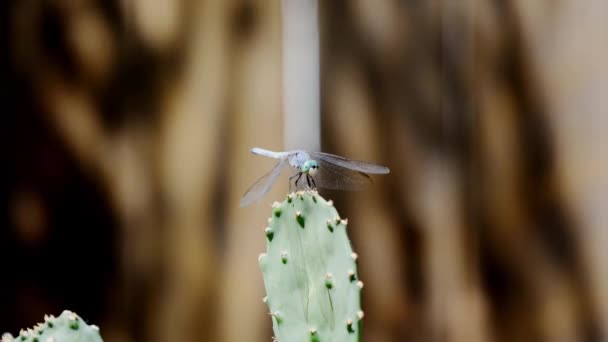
313 291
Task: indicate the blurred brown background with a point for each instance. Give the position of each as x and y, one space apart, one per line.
127 130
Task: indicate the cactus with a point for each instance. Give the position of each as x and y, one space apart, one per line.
310 272
68 327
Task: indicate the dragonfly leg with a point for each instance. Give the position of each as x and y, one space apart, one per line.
299 174
308 181
312 179
292 177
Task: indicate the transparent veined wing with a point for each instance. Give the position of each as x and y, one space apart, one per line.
332 176
263 185
355 165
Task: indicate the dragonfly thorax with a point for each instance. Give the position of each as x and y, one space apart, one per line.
310 167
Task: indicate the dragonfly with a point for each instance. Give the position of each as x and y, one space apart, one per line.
312 170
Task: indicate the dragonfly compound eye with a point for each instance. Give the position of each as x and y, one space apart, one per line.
313 167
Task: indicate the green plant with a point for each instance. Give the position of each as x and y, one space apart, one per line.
68 327
310 272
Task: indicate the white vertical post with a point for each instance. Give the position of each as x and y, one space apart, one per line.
301 92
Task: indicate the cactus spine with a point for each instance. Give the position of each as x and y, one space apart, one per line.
68 327
310 272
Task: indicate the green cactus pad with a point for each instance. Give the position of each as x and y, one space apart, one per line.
68 327
310 272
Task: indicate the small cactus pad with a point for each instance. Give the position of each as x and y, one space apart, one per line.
68 327
310 274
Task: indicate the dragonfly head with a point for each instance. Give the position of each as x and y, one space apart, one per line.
310 167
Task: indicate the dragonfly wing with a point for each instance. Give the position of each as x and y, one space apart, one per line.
262 185
355 165
332 176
